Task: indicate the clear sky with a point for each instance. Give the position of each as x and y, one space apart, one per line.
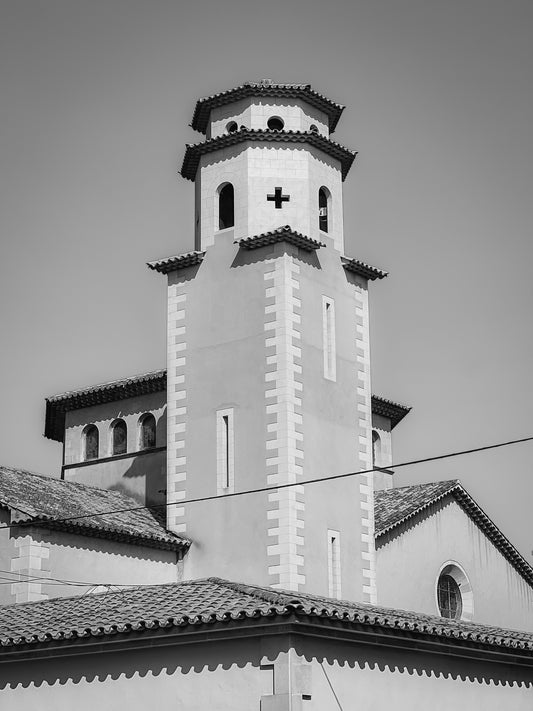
95 101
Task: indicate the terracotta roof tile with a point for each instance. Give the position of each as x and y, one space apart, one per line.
393 507
42 500
364 270
170 264
387 408
194 152
199 602
58 405
265 89
281 234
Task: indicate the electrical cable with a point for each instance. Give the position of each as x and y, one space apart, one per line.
265 489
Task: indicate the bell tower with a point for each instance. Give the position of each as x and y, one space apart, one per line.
268 351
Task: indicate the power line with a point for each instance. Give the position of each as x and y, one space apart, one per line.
265 489
54 581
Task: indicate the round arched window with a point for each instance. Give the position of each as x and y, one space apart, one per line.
147 431
90 442
226 206
449 597
454 596
119 437
231 127
275 123
313 128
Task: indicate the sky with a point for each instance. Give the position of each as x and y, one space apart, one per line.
96 97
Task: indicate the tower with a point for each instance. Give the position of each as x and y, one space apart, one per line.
268 352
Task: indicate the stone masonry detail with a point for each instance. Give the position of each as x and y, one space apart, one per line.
177 409
32 562
364 444
284 445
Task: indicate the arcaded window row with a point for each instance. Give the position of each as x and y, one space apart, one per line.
118 437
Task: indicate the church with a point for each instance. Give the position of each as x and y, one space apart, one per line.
227 532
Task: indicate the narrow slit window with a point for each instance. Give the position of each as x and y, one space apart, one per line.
225 452
323 205
328 324
376 448
226 206
334 564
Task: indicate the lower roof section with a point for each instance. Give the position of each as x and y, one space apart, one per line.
45 502
211 603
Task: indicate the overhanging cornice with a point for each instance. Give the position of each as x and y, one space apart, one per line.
58 405
194 152
265 89
281 234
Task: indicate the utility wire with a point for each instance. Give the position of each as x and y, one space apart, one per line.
264 489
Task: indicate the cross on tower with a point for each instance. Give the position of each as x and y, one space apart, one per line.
278 198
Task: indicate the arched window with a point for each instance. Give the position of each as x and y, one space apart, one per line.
90 442
454 595
376 448
147 431
119 437
231 127
323 205
226 211
449 598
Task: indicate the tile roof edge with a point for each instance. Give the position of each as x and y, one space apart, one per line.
476 513
362 619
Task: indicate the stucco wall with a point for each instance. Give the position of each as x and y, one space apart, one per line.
255 112
192 677
409 562
356 677
243 675
140 474
238 318
70 557
130 410
255 170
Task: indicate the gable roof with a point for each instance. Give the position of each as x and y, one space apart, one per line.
58 405
393 507
264 89
196 603
43 500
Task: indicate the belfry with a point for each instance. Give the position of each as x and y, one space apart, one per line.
268 378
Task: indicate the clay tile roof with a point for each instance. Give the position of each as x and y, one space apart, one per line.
197 603
193 152
281 234
46 502
387 408
394 507
364 270
265 89
57 405
170 264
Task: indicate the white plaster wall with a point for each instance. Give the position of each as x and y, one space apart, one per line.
345 677
254 113
255 170
384 454
130 410
408 567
